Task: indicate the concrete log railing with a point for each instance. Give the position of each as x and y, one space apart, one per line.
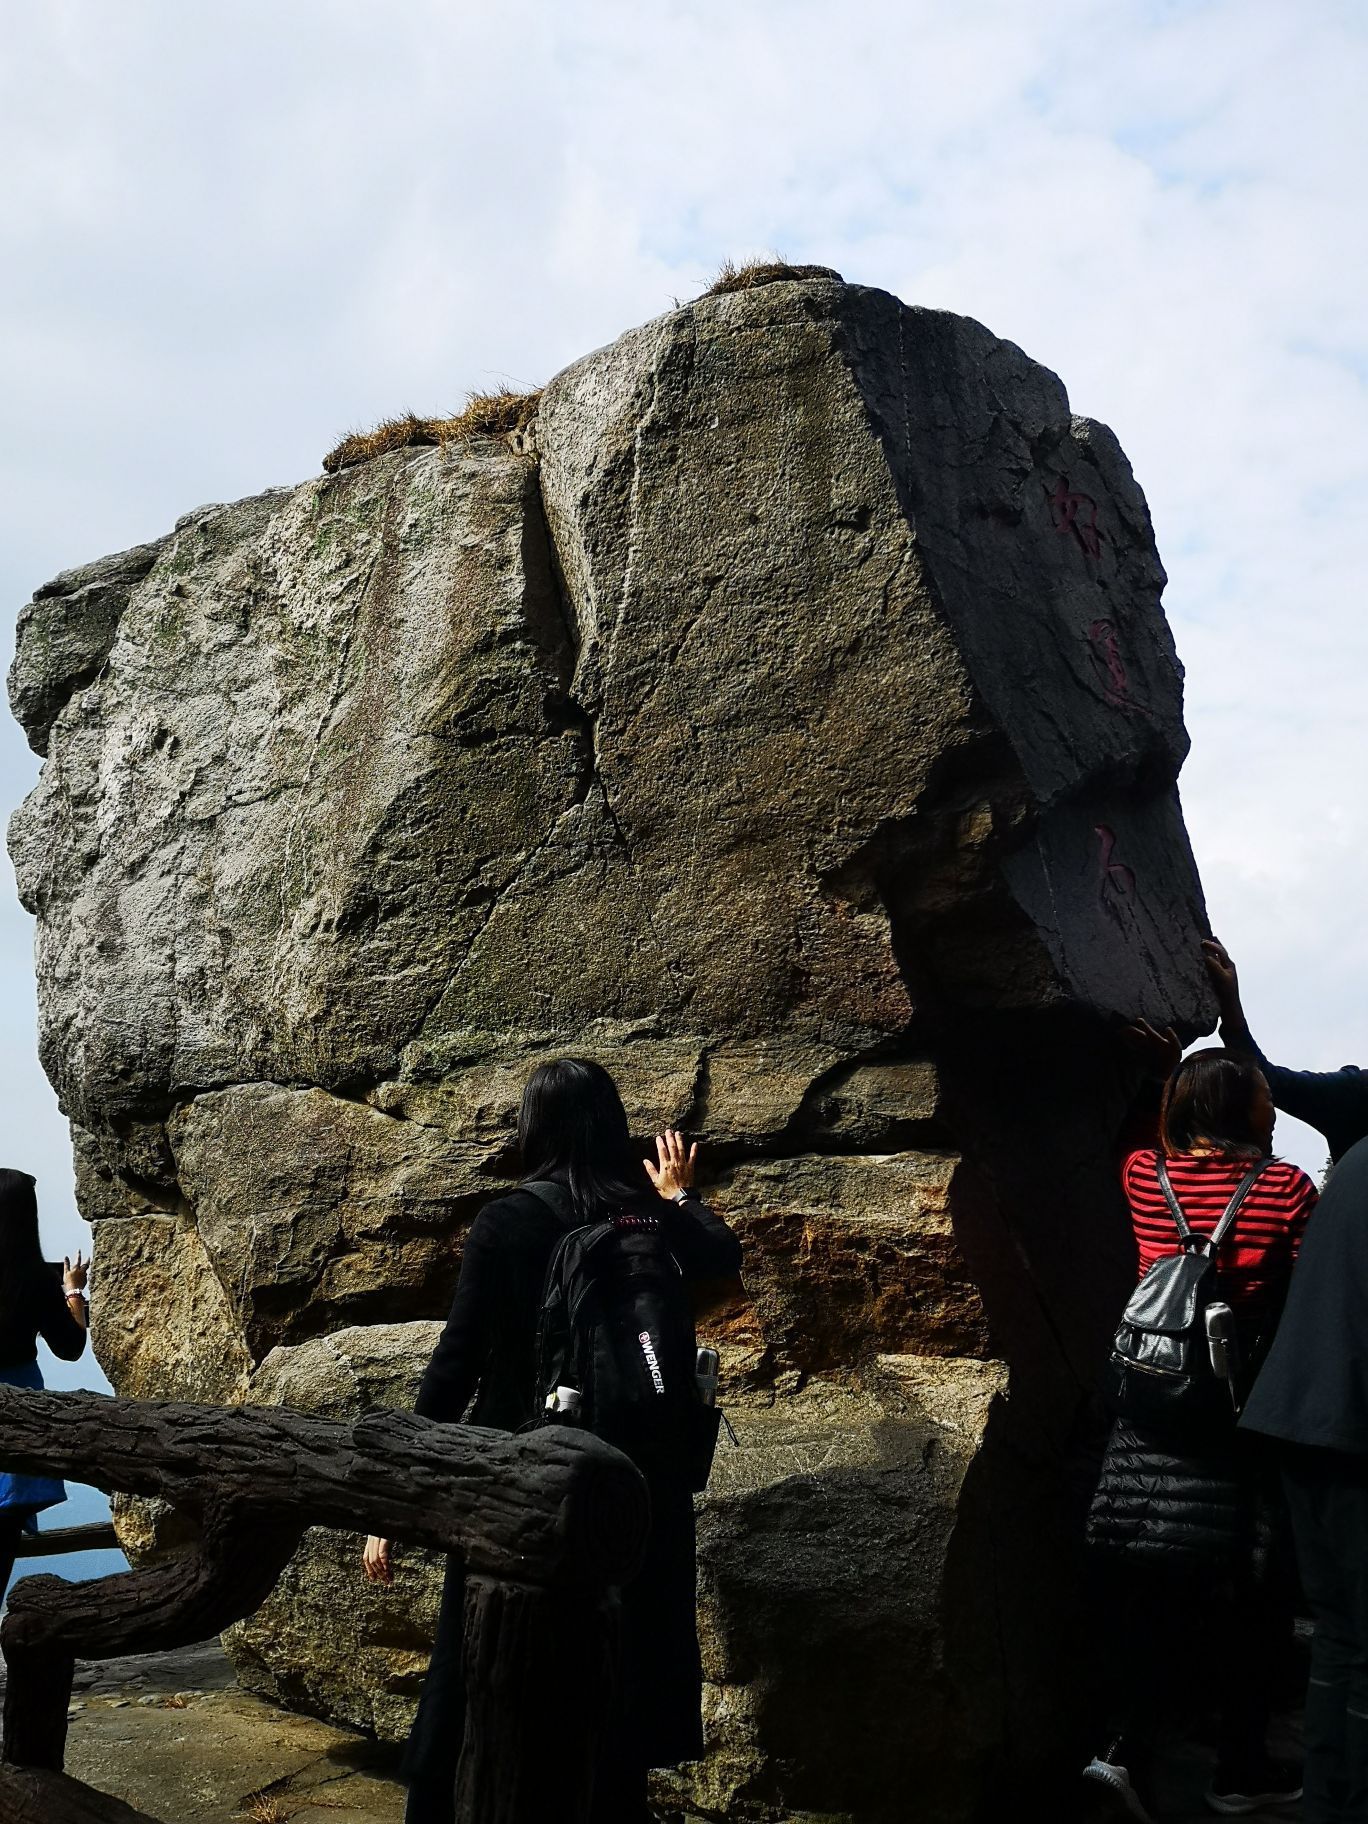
58 1541
550 1524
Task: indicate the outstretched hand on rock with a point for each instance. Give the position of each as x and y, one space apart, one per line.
375 1561
675 1170
1158 1053
1225 978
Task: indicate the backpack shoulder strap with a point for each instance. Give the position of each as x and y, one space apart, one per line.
1180 1222
555 1196
1207 1244
1232 1209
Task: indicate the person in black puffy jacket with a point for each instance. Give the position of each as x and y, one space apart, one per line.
1186 1526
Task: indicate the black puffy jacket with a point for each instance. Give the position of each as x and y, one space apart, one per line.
1190 1507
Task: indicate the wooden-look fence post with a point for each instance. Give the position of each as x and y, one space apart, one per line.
539 1664
549 1524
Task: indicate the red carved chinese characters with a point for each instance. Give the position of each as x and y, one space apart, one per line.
1073 512
1117 881
1104 648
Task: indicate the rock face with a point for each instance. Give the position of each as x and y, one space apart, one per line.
794 728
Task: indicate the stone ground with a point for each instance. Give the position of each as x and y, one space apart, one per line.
1186 1768
1186 1774
173 1735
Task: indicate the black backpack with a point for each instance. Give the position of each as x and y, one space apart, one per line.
1160 1371
616 1328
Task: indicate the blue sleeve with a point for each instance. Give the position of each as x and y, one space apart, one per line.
1335 1102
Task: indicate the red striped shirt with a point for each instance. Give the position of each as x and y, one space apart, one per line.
1256 1257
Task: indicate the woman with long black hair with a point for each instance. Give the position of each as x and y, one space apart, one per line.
35 1300
572 1134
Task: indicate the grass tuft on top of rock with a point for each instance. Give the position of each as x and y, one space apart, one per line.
770 271
483 415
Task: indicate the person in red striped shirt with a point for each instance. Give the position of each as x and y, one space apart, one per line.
1210 1091
1177 1517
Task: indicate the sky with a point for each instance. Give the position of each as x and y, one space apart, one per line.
232 229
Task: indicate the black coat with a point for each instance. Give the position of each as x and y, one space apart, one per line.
37 1307
488 1349
1313 1387
1185 1505
489 1342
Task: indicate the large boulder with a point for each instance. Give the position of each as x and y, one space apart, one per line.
851 578
823 1547
788 720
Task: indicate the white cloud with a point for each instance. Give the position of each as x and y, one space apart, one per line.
231 230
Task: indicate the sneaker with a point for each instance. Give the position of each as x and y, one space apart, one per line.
1235 1793
1109 1775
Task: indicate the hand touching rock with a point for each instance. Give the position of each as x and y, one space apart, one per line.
675 1171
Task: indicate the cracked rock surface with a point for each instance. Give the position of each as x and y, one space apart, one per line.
790 722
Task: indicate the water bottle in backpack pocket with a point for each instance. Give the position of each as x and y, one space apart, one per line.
1173 1360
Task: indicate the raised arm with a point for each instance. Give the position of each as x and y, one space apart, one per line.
703 1244
62 1318
1333 1101
1157 1055
1225 980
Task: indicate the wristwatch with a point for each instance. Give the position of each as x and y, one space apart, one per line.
685 1196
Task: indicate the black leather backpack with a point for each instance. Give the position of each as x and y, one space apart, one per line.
1160 1371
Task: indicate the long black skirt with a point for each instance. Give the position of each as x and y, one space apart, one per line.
659 1721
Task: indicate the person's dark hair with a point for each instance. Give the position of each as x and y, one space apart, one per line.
21 1252
1212 1100
572 1122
